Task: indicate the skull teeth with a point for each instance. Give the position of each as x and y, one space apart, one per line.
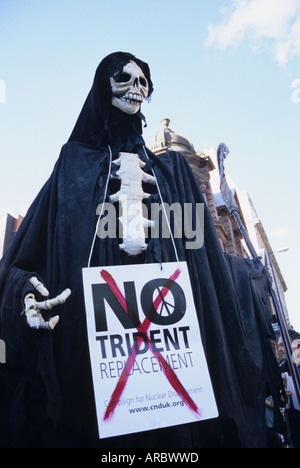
132 98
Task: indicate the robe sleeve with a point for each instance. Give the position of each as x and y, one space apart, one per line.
27 257
29 354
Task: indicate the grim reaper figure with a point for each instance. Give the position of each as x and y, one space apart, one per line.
46 390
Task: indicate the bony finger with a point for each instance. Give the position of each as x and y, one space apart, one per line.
29 301
31 313
39 286
33 320
61 299
51 324
36 321
50 303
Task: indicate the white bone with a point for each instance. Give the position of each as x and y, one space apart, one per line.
34 317
50 303
39 286
130 196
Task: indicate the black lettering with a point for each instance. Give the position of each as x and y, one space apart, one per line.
155 340
103 367
102 293
184 331
168 337
140 339
129 350
116 342
102 340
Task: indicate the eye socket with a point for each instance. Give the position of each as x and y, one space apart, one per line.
123 78
143 81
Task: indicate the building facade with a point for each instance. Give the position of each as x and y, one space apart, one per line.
9 225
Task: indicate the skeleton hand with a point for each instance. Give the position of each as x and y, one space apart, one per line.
32 307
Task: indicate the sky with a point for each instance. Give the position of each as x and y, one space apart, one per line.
223 71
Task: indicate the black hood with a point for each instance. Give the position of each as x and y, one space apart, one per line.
99 123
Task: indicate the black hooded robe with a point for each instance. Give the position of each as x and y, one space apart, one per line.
46 391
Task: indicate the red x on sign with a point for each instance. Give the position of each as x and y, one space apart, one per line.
143 328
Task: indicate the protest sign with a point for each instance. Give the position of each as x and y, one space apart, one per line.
148 364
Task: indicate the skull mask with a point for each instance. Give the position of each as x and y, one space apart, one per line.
129 89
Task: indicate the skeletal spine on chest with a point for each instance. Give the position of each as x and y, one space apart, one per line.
130 197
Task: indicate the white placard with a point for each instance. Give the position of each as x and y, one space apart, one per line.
148 364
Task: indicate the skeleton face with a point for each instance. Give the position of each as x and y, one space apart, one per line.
130 89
